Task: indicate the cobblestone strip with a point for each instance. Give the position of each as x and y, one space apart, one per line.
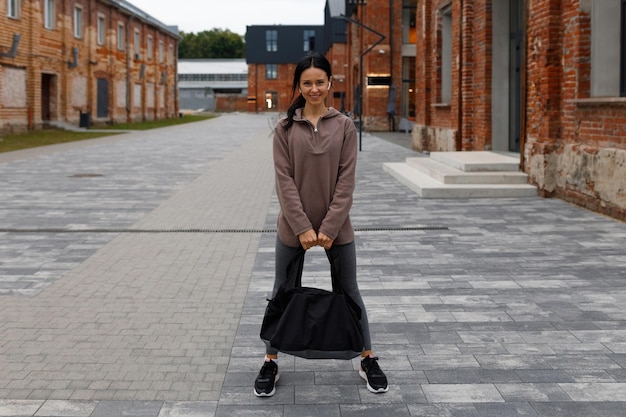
148 317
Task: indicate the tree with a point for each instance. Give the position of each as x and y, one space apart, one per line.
215 43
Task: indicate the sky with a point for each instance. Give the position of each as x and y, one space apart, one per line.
200 15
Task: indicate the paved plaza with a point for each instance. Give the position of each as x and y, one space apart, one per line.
134 273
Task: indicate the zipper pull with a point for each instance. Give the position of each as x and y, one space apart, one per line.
315 129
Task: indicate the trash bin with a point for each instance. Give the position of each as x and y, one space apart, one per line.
85 119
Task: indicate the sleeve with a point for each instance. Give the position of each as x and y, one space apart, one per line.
286 190
342 197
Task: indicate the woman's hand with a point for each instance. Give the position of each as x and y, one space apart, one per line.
324 241
308 239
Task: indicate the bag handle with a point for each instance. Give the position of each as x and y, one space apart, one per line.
296 265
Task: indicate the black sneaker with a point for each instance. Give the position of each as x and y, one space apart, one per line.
264 384
375 377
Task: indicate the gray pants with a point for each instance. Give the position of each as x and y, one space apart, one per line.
289 264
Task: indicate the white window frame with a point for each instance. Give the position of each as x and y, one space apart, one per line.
101 29
605 48
78 21
446 53
49 14
13 9
137 43
161 57
149 47
121 36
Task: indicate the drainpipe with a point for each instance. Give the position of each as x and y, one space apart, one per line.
111 69
522 133
35 75
128 105
176 98
391 39
460 71
382 37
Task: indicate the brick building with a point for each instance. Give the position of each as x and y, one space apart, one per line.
271 54
105 58
356 40
381 60
551 87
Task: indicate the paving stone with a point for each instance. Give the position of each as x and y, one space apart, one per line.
138 292
10 408
462 393
61 408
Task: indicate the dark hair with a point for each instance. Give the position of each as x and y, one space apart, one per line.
311 60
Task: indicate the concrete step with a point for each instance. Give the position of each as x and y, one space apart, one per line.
477 161
450 175
483 175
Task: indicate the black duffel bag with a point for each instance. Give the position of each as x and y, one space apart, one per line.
313 323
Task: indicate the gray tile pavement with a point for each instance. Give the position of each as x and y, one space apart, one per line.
134 271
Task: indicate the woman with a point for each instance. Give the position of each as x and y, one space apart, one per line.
315 153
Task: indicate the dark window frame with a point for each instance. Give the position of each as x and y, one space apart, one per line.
309 40
271 71
271 40
379 81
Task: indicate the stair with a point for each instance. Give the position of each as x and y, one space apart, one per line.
463 175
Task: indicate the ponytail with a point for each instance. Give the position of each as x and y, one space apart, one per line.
291 111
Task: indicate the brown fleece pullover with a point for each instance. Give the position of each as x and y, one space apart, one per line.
315 176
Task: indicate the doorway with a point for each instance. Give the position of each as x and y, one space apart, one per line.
49 95
516 39
102 99
507 68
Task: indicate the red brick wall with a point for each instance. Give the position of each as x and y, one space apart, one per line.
44 51
230 103
576 147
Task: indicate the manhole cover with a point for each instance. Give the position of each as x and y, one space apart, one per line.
85 175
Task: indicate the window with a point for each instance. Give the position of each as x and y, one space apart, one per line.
121 38
13 9
170 54
149 47
408 87
309 40
137 44
213 77
49 18
271 100
271 40
161 51
409 10
608 59
78 22
378 81
101 30
446 55
271 71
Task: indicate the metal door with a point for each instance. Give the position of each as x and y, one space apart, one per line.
102 110
515 76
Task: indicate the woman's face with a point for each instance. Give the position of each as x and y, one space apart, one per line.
314 84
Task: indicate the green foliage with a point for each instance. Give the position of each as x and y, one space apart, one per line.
211 44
